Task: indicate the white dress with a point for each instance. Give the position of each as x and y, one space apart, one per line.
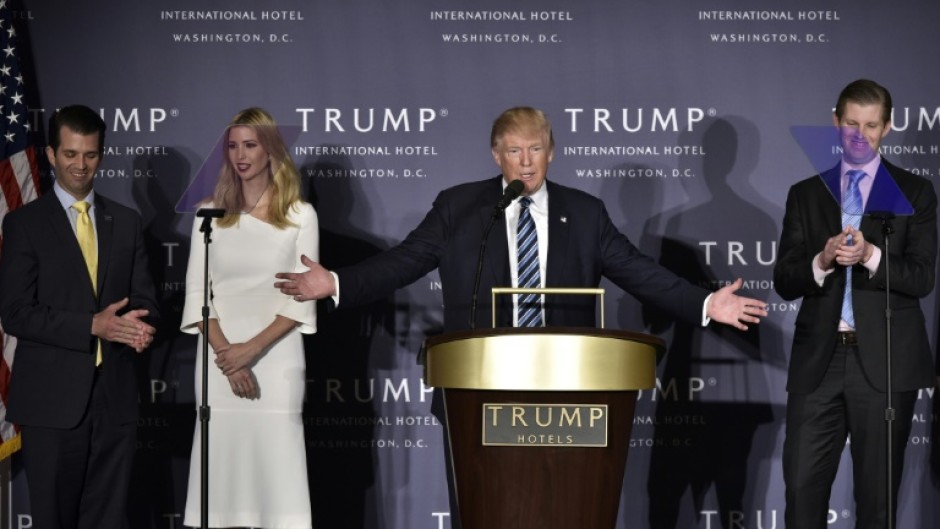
257 458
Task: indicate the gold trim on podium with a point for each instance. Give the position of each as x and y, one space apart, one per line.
543 359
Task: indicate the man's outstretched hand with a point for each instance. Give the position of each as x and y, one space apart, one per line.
315 283
731 309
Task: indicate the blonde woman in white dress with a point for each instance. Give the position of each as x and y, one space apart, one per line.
257 458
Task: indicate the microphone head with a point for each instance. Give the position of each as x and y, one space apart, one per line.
514 189
211 213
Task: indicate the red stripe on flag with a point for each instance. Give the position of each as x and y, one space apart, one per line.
33 167
4 372
10 186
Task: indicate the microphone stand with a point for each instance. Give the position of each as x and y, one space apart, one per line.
887 229
476 280
204 407
511 192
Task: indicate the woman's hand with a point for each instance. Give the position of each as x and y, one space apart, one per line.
234 356
243 384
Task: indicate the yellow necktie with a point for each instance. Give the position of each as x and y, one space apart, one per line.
86 241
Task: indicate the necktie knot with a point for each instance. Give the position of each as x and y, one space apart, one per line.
81 207
524 202
852 199
855 175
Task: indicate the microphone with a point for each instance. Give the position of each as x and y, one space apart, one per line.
207 214
210 213
882 215
513 190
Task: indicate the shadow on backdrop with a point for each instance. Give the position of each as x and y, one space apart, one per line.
339 416
165 370
709 433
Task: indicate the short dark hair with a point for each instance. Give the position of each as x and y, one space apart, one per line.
77 118
865 92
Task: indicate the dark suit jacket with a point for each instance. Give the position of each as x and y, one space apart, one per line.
47 302
583 245
812 216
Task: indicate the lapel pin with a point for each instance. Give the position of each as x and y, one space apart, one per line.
564 220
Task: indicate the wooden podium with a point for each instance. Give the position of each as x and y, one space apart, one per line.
539 421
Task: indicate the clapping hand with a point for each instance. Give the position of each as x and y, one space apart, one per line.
127 329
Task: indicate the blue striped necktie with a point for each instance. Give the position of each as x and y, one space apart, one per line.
527 246
851 215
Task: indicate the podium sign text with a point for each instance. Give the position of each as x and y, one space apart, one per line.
563 425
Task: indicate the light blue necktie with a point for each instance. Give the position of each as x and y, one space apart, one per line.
851 215
527 246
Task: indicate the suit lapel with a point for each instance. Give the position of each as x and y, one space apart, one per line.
558 232
497 248
105 235
559 218
497 245
833 180
65 238
886 195
869 225
496 261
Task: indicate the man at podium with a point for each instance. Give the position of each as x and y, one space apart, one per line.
537 234
550 235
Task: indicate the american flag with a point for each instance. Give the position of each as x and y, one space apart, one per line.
19 184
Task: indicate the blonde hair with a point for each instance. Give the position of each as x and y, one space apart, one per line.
285 179
521 120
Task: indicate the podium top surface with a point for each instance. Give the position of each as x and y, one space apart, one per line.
543 359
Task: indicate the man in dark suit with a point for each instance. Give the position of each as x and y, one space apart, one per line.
836 383
569 232
74 289
576 244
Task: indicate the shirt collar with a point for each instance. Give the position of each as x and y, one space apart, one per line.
67 200
870 168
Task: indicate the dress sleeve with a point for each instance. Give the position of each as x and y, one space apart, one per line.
192 309
307 243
